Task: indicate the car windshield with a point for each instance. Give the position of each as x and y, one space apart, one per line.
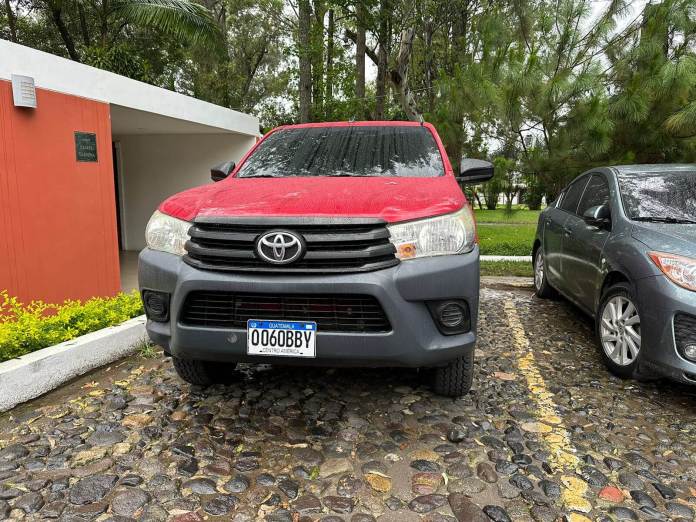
663 196
388 151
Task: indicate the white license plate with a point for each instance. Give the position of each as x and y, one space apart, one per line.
281 338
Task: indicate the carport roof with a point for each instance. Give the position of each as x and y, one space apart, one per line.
171 113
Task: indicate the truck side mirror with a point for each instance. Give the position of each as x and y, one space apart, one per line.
598 216
221 171
475 171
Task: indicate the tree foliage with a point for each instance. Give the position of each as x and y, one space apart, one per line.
545 88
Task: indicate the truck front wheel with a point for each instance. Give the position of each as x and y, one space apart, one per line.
203 373
455 379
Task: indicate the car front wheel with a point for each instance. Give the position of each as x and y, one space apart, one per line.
618 331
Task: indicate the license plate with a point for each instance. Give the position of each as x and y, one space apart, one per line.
281 338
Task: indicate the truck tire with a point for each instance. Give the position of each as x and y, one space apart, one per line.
455 379
203 373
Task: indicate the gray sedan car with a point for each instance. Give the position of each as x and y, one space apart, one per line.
620 243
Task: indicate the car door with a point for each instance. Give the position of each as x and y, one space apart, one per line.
554 226
583 245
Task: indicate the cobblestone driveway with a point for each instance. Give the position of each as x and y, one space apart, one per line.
546 435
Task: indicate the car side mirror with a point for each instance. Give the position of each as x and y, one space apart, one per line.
474 171
598 216
221 171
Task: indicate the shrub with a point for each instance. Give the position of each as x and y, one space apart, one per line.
26 328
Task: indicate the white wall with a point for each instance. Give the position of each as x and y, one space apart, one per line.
156 166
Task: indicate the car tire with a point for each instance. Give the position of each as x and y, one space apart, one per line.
455 379
203 373
623 364
542 287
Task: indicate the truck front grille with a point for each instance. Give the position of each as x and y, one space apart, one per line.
331 245
332 313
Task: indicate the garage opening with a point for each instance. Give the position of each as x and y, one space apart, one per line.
155 157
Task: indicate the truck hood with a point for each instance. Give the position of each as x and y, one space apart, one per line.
391 199
674 238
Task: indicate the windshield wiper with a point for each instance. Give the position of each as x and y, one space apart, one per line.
260 176
664 220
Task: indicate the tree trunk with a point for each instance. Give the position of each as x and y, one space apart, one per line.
11 21
382 58
331 30
360 47
399 76
83 25
317 36
57 16
428 30
305 56
454 144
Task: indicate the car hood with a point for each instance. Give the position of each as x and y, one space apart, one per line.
391 199
675 238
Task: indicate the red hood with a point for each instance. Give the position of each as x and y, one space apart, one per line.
392 199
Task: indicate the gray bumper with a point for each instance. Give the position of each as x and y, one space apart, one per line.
401 290
660 300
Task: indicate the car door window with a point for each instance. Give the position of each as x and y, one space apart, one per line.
572 194
596 193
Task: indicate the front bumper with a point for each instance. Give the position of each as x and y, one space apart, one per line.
402 291
660 301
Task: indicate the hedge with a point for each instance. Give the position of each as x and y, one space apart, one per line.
30 327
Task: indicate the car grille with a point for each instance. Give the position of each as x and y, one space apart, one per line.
684 330
358 245
332 313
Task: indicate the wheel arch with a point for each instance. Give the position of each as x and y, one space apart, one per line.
535 247
610 279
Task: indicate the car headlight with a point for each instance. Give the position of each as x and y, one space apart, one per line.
167 233
437 236
678 269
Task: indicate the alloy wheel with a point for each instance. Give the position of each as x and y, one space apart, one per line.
620 330
539 270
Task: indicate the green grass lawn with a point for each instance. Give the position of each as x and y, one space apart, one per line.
506 268
500 215
506 240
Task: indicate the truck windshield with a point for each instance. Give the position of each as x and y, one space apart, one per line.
664 196
346 151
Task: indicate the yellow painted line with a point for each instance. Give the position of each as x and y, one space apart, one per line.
549 424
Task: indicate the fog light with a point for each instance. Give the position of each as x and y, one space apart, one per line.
156 305
690 352
451 316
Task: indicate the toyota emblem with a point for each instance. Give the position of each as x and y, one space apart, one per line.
280 247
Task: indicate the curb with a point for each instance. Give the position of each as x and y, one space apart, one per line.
36 373
518 259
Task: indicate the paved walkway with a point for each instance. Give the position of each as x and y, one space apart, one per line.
547 434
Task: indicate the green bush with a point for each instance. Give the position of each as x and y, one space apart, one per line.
26 328
506 240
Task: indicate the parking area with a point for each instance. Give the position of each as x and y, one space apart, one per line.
546 434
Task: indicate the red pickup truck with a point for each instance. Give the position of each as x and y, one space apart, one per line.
337 244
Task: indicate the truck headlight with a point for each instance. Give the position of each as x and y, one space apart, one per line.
167 233
449 234
678 269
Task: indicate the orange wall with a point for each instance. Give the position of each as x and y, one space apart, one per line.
57 215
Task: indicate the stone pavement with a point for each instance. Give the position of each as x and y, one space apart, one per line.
547 434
